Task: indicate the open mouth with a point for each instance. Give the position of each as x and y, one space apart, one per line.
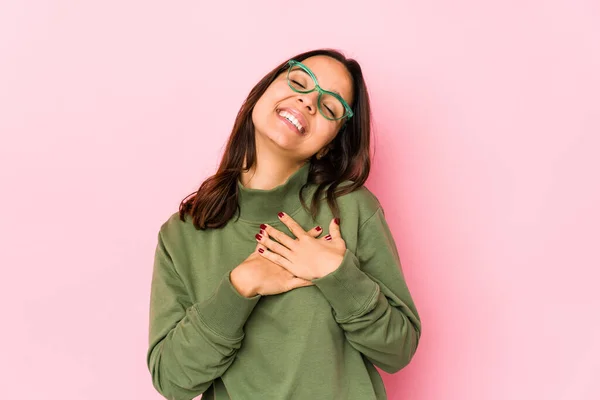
292 121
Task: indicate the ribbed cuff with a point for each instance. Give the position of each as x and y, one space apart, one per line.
226 311
349 290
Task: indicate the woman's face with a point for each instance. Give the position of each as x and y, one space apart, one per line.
273 128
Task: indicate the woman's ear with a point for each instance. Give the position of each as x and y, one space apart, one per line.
321 153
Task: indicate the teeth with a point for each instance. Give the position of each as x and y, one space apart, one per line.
291 118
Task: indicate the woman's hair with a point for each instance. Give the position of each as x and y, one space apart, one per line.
348 158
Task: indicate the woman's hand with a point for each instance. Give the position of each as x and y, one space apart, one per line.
305 257
257 275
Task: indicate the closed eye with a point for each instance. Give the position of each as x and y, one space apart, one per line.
298 83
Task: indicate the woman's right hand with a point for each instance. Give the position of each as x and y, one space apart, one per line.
257 275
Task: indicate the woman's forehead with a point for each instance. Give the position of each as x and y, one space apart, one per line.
331 74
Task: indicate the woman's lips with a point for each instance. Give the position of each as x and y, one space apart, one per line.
289 124
298 115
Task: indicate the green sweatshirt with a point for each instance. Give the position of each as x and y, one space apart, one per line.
315 342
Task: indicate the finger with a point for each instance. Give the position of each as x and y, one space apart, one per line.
292 225
276 258
277 235
334 228
315 232
272 245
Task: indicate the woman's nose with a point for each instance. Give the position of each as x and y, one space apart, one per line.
309 100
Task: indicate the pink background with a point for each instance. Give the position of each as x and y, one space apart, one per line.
487 124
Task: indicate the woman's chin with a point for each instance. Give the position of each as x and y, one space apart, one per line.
283 139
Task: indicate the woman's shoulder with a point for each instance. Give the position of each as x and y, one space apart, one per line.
174 229
361 201
174 222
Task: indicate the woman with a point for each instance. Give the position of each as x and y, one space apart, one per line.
246 301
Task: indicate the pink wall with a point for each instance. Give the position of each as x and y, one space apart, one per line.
488 132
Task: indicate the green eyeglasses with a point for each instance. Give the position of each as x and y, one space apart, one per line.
331 105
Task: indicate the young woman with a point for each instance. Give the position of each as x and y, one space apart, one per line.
258 294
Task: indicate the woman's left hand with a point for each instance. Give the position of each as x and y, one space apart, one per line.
305 257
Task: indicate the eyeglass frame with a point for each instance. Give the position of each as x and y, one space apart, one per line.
349 113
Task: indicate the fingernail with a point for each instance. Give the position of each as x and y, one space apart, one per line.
319 229
262 232
328 237
258 236
337 221
280 215
261 250
263 226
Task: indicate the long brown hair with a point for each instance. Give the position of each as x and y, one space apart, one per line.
348 158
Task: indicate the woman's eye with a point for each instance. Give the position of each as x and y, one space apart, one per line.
298 83
329 111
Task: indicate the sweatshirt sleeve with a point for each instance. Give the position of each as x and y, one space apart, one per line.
191 344
370 299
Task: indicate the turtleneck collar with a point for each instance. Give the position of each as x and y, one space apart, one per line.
262 206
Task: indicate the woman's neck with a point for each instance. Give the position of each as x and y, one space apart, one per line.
268 173
261 205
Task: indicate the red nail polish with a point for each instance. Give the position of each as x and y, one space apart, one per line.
261 250
319 229
280 215
328 237
262 232
263 226
337 221
258 236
